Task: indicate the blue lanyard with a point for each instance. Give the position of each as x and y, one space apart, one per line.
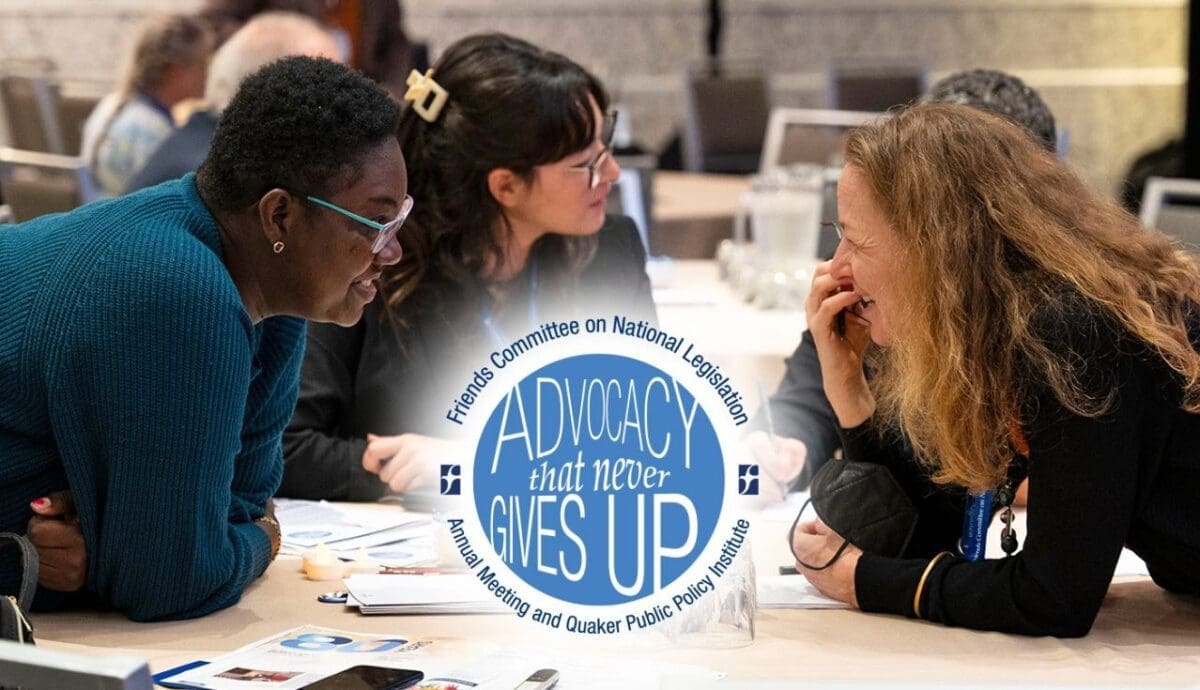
487 317
975 526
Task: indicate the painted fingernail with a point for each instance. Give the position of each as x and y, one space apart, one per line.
41 503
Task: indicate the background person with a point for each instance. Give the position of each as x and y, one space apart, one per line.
370 33
168 65
512 175
265 38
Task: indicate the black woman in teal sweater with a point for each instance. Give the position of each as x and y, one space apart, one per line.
150 345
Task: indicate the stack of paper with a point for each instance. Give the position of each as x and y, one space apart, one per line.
421 594
390 537
792 592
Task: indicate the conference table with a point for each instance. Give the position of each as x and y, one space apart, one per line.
693 212
1142 638
749 343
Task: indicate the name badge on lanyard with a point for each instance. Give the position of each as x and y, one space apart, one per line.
975 526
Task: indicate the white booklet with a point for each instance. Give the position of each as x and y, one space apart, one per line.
304 524
421 594
792 592
302 656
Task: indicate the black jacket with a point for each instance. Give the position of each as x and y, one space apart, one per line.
180 153
801 411
1129 477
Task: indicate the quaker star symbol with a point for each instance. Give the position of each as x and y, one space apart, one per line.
451 480
748 480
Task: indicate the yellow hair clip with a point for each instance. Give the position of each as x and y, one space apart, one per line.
419 88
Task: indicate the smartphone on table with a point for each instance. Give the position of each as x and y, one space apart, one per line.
368 678
542 679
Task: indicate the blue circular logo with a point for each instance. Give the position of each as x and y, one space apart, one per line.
598 479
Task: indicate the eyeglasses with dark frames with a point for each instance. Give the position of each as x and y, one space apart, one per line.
607 128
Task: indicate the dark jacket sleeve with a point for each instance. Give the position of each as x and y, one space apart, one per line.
939 508
320 462
1082 483
801 411
617 273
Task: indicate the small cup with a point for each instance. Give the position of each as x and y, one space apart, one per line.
724 618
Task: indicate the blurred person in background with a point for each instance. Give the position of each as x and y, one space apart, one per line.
265 38
370 33
168 65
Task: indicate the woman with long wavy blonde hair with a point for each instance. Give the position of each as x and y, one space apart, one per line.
1020 322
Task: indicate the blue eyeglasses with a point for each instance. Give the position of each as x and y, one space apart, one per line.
386 231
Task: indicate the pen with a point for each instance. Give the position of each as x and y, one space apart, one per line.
421 570
765 403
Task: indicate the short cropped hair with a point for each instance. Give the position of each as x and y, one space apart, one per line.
1003 94
299 123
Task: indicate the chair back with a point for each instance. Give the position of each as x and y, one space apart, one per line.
726 109
877 87
30 106
34 183
633 194
73 112
802 135
1173 206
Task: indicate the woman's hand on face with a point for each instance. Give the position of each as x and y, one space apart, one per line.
408 461
54 531
841 355
813 542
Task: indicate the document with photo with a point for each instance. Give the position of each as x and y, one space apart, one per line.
303 655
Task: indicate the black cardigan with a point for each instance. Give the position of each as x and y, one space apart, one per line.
1130 477
375 378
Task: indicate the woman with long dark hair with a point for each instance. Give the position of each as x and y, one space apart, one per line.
508 150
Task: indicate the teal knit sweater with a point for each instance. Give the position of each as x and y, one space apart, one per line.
131 374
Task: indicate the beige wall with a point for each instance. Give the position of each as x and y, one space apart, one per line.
1112 70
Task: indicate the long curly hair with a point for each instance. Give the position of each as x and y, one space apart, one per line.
511 105
998 238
